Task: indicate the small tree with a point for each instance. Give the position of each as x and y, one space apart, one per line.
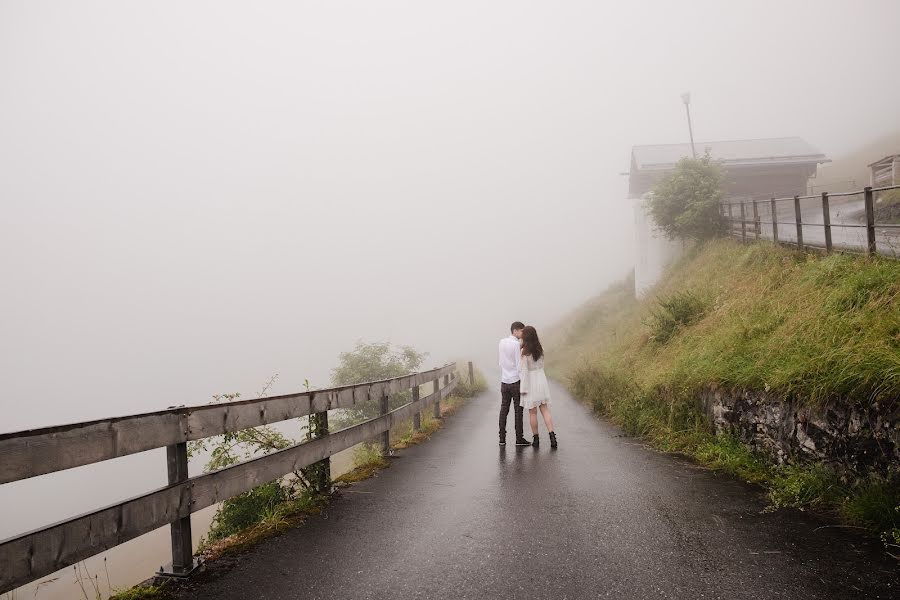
685 203
284 494
373 362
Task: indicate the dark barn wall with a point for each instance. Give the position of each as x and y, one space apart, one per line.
762 181
768 181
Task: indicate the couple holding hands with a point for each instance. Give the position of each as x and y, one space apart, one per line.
523 384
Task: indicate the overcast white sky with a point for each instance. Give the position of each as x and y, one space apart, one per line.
196 195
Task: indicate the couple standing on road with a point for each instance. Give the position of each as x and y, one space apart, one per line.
524 384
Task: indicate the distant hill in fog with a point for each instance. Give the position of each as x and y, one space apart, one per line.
852 166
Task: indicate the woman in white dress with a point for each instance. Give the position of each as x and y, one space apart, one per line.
534 389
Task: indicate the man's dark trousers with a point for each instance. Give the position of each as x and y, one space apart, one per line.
509 392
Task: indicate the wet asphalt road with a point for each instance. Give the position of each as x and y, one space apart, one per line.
601 517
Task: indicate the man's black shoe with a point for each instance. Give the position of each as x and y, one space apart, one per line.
503 441
522 442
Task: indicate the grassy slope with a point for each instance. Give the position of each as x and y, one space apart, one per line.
887 207
813 328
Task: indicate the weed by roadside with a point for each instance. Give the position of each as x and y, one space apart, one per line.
674 312
141 592
468 389
367 461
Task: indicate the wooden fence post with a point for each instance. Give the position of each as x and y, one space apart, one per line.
417 416
436 413
774 221
318 428
871 249
471 374
756 220
180 530
826 220
386 436
33 555
743 223
799 221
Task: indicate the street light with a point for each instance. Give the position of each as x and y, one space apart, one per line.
686 98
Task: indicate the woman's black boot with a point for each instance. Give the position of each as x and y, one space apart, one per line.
536 442
553 439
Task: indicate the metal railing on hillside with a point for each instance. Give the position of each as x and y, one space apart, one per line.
29 556
846 221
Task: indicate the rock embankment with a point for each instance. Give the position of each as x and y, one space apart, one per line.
857 437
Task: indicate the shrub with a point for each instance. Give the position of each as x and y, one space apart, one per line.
602 388
685 203
675 312
247 509
729 454
374 362
873 502
467 389
805 485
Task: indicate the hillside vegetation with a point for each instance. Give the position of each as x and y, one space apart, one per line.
743 316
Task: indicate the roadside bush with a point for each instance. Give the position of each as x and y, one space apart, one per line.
601 388
805 485
467 389
374 362
674 313
246 509
729 454
875 502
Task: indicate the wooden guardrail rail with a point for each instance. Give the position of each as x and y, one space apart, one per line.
25 454
749 222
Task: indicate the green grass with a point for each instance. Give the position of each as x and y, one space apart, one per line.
887 207
140 592
674 313
247 509
468 389
756 316
814 328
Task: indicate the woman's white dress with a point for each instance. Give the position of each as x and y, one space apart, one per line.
534 381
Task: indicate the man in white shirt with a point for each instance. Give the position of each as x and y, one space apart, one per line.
510 354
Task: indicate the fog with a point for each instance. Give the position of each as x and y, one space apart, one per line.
198 195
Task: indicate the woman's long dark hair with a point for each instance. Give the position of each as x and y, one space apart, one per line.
531 345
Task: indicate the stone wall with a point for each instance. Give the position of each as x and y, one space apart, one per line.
853 436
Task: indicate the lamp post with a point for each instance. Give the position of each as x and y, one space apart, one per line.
686 97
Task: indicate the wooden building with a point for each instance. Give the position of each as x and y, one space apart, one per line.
885 171
753 169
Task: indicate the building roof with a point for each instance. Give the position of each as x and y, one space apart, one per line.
789 150
887 160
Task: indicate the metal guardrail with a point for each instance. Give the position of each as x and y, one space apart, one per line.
25 454
746 221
